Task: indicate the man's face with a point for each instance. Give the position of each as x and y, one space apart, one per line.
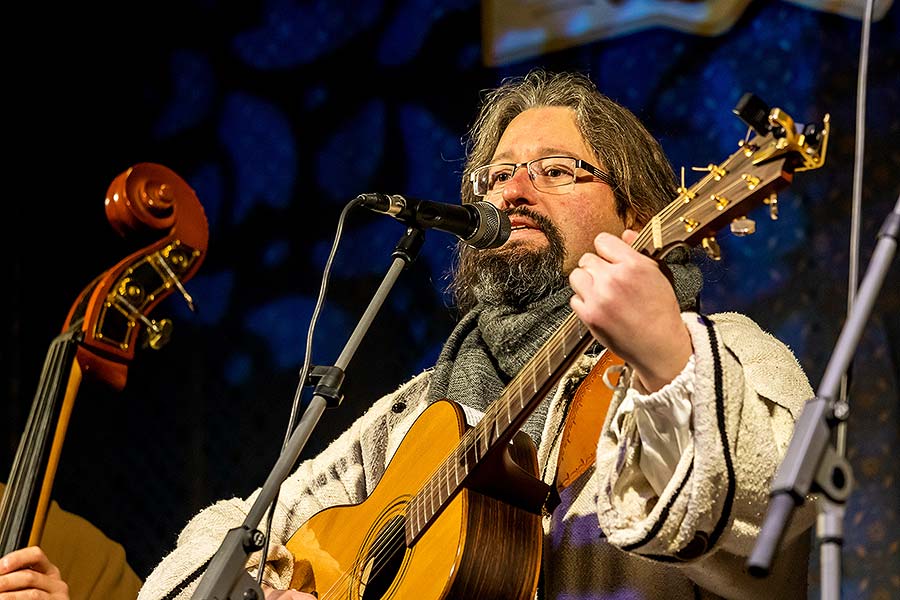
550 230
578 215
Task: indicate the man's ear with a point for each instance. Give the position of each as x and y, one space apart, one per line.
631 220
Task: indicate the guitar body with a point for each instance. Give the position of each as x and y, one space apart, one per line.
478 546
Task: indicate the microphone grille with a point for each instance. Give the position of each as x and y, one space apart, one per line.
493 226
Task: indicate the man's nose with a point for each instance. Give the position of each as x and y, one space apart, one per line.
519 189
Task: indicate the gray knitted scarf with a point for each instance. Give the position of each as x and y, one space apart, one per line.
491 343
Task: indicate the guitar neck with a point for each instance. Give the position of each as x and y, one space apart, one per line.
27 496
500 422
525 392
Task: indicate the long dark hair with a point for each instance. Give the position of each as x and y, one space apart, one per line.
644 179
644 182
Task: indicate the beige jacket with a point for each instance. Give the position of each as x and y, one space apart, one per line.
612 533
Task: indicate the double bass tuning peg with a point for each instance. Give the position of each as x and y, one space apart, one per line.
158 332
173 278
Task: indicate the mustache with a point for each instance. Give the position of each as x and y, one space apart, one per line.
543 222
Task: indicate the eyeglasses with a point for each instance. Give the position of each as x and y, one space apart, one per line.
553 174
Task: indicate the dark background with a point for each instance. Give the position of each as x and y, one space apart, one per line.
278 113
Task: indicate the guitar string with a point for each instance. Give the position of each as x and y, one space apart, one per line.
702 208
392 541
470 439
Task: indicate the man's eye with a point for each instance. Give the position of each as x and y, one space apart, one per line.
499 177
556 170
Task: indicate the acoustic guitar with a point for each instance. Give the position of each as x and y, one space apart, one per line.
457 513
101 332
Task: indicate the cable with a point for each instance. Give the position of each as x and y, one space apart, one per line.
304 372
852 280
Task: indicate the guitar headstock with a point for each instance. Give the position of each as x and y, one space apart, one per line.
762 165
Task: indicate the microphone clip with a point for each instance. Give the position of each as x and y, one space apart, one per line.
328 381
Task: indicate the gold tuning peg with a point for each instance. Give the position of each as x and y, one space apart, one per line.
684 191
743 226
158 333
712 248
689 224
173 279
717 172
772 201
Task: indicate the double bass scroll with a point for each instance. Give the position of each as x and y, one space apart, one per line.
101 332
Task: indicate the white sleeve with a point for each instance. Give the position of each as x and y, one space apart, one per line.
746 391
663 420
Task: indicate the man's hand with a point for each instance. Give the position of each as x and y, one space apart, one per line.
29 574
631 308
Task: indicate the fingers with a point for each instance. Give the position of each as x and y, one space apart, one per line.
591 286
606 270
30 569
611 248
629 236
32 557
581 282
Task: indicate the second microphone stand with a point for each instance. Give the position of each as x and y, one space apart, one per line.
226 577
810 463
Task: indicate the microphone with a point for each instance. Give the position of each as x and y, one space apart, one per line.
480 224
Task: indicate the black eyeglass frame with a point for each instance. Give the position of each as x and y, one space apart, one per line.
579 164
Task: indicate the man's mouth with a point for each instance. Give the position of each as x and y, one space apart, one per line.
519 224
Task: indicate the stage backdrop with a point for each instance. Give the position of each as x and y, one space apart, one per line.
277 114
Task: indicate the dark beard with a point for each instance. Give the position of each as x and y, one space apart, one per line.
510 274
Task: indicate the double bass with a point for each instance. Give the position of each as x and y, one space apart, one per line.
101 333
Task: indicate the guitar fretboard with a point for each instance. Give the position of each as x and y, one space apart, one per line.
500 422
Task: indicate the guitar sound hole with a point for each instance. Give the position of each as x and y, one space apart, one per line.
383 560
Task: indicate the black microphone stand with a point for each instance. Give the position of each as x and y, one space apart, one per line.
810 462
226 577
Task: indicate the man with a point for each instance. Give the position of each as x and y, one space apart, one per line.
701 416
